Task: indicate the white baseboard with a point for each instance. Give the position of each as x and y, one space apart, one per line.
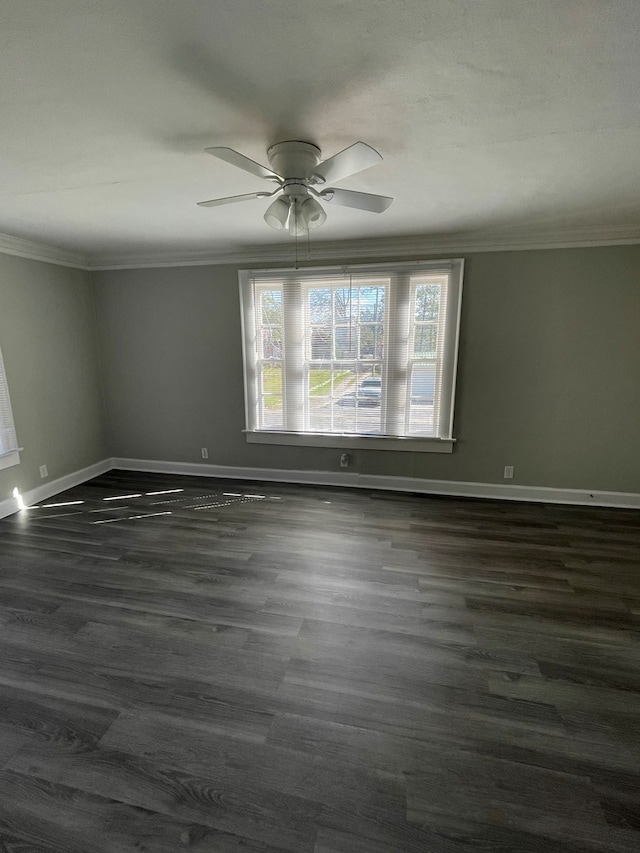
455 488
54 487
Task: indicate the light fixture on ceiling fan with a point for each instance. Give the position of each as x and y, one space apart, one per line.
297 170
295 215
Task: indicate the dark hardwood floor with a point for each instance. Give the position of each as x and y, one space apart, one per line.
260 668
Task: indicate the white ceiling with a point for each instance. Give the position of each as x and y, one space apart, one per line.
491 116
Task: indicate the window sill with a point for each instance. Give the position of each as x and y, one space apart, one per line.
7 460
348 441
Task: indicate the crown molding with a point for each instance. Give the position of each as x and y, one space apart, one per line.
393 247
36 251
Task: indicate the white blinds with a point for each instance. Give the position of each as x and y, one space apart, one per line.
360 350
8 441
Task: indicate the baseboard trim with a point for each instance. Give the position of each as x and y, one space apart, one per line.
54 487
454 488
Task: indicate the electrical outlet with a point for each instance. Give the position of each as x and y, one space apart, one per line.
508 472
205 452
44 471
344 460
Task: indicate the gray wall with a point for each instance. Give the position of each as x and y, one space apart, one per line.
548 379
48 340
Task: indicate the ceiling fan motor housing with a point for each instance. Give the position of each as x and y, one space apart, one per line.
294 159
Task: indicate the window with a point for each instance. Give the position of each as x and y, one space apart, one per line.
8 444
353 355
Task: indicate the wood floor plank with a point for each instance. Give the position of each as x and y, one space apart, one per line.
504 793
370 833
50 718
207 800
332 783
245 714
241 667
61 818
564 693
11 739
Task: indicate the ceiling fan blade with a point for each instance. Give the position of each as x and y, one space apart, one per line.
362 201
235 158
353 159
232 199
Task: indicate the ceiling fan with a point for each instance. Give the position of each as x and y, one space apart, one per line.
297 170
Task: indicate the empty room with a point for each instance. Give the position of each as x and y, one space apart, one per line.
319 407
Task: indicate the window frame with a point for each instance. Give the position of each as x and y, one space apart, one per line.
11 455
402 286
